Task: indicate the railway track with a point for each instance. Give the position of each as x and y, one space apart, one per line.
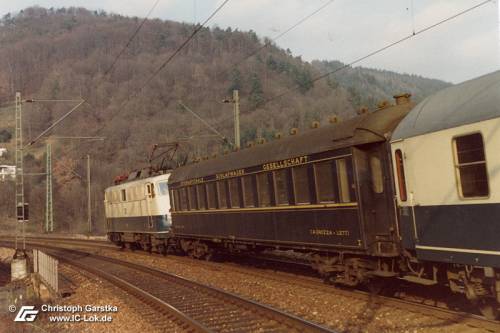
83 242
315 284
195 306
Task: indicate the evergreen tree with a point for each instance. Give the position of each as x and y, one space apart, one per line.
256 96
235 81
303 79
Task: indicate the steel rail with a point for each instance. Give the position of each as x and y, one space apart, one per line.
289 321
464 318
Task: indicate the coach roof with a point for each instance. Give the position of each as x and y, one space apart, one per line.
465 103
367 128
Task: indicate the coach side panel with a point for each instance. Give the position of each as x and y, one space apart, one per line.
448 193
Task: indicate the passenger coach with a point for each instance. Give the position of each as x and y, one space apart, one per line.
446 154
327 191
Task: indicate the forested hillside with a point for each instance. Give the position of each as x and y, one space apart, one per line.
64 54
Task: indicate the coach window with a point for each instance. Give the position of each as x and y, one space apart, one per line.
211 195
183 198
326 181
202 196
234 192
301 184
264 189
222 189
471 166
249 194
193 201
124 195
400 170
281 181
376 173
344 180
174 200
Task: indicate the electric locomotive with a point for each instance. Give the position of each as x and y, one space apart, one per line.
138 211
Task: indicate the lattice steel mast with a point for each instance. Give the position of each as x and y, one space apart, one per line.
20 205
49 213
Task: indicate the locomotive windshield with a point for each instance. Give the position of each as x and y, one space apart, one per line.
163 188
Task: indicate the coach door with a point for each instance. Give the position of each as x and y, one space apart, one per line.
150 195
376 198
404 195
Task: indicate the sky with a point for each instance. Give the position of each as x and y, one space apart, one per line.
345 30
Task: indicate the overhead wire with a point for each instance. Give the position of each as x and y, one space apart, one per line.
371 54
170 58
127 44
177 51
110 68
275 38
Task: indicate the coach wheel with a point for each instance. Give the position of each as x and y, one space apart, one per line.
375 285
162 249
488 308
199 251
209 256
330 278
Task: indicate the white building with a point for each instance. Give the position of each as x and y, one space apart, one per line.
7 171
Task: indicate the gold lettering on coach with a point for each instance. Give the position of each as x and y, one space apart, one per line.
328 232
192 181
229 174
285 163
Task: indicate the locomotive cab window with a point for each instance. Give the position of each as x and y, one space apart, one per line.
124 195
162 188
470 164
150 190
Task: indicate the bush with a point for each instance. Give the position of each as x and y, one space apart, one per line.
5 136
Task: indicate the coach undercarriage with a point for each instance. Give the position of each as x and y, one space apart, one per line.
480 285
